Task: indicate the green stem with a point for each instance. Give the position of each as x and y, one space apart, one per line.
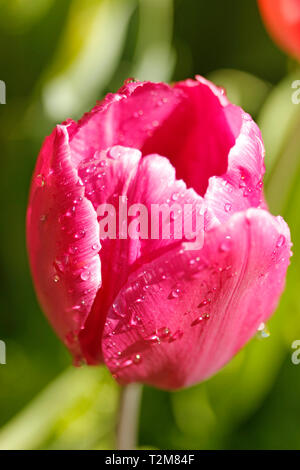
129 409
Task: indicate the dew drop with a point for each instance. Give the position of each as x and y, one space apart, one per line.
126 363
259 185
280 241
242 181
174 294
73 250
225 245
175 336
137 359
153 338
77 200
56 278
247 192
197 321
129 80
227 207
85 275
163 333
79 235
133 321
114 153
262 331
40 180
203 303
59 264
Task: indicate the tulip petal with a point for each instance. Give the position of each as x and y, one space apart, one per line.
192 118
241 187
182 316
62 231
122 173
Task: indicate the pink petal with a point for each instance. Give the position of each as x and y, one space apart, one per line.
121 171
182 316
241 187
62 232
192 118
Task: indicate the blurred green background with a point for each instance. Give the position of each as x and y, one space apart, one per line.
57 57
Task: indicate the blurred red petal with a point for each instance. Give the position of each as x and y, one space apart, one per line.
282 19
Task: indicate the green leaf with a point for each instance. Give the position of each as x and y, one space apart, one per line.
76 411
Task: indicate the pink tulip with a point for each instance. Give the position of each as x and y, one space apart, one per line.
151 309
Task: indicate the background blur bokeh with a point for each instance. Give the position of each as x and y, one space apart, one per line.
57 57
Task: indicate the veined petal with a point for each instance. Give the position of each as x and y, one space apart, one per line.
120 178
182 316
62 232
192 118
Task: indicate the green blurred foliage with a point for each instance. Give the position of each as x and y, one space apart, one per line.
57 58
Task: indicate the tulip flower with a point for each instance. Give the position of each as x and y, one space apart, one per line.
155 309
282 19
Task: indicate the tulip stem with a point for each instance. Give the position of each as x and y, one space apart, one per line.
129 409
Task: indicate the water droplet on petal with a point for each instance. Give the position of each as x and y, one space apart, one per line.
226 244
247 192
56 278
175 336
60 264
197 321
174 294
262 331
163 333
129 80
73 250
259 185
85 275
79 235
204 302
280 241
114 153
126 363
40 180
152 338
137 359
227 207
77 200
